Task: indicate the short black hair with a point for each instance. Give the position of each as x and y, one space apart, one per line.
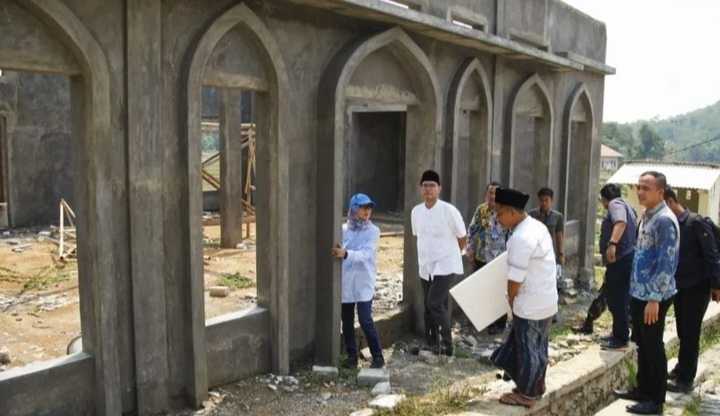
545 192
610 191
492 183
660 178
670 194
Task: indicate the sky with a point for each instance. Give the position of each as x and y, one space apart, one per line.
666 52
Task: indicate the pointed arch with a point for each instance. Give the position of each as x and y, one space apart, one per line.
95 196
424 118
543 140
276 131
480 135
580 96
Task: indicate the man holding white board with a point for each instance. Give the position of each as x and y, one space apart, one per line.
533 297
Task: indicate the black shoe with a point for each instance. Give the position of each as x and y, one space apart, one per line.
614 344
645 408
633 395
677 386
349 363
583 329
378 362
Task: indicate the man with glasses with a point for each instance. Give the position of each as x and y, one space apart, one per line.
441 238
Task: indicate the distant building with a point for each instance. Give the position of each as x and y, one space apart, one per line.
609 158
697 184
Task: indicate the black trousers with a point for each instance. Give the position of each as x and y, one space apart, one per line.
437 314
690 306
652 362
617 286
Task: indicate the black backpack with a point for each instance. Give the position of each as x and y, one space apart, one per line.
707 220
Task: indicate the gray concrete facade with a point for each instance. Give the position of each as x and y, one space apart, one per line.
470 102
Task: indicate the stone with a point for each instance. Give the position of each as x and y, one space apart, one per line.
387 401
219 291
325 396
381 388
4 356
372 376
363 412
428 357
272 387
325 372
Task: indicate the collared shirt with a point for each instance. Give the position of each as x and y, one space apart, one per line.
619 211
437 230
555 223
656 255
359 268
487 238
531 261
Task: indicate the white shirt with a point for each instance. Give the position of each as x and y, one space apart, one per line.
359 268
531 261
437 230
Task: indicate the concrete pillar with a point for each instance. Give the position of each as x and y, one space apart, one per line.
231 172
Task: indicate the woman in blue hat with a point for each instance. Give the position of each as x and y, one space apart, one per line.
358 253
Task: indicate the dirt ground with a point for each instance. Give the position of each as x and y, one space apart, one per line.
39 302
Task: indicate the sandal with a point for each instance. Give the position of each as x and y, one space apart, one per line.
515 399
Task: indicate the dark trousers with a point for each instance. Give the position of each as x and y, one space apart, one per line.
652 362
617 285
437 315
364 310
597 307
690 306
501 321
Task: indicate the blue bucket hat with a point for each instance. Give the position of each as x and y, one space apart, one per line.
361 200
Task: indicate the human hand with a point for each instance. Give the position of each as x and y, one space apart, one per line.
652 310
610 254
338 252
715 294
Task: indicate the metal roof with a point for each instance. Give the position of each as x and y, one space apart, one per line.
679 175
607 151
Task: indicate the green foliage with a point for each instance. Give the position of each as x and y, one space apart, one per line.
668 138
236 281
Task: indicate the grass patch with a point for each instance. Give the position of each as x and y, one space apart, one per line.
446 399
692 408
632 374
236 281
559 331
48 276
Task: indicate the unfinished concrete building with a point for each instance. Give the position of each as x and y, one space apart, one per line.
348 95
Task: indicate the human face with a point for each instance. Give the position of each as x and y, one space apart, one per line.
605 203
545 203
430 191
364 212
504 215
648 192
490 196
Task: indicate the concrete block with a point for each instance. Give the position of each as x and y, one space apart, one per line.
373 376
327 372
382 388
363 412
219 291
387 401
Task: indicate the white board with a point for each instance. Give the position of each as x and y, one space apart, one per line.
483 294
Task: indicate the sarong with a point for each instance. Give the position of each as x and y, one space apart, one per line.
524 355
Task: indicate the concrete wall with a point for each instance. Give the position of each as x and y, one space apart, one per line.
132 65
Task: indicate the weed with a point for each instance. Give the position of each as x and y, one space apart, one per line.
236 281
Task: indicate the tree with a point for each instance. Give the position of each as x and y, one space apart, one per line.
651 145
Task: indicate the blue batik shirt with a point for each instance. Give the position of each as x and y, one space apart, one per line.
656 256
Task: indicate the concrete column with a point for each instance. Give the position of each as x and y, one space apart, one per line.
231 172
145 173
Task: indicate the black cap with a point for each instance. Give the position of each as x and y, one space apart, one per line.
511 197
430 176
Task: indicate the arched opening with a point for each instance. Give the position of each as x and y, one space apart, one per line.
383 93
579 127
65 53
469 115
238 59
531 126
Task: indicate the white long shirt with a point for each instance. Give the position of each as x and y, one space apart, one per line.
437 230
359 269
531 261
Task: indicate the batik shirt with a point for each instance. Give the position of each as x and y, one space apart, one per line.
656 256
486 236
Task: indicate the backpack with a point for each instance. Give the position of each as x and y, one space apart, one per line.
709 222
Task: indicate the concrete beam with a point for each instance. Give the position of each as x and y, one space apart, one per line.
231 172
222 79
145 161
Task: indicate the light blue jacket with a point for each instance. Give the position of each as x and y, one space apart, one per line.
359 269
